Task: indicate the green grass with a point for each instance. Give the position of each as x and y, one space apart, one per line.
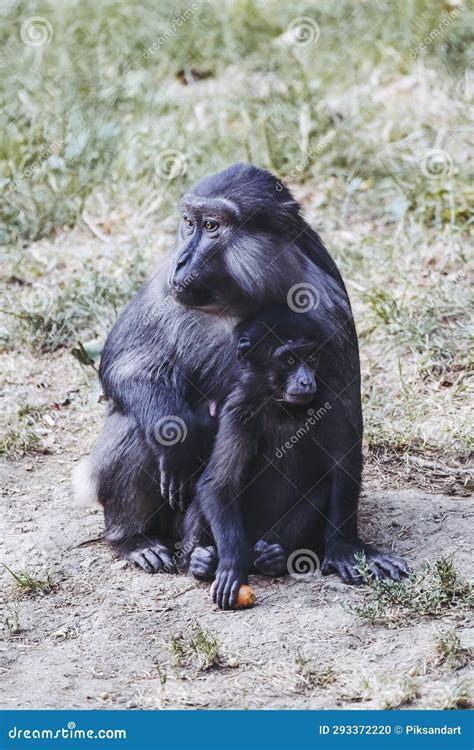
23 438
31 583
351 121
23 441
403 694
104 108
88 301
199 649
436 590
459 696
450 651
312 676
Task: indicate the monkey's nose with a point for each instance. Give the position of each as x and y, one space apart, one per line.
180 263
306 383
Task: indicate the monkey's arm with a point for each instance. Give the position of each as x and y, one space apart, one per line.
342 541
344 496
219 495
141 383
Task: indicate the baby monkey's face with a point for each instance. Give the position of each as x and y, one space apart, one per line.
285 371
291 372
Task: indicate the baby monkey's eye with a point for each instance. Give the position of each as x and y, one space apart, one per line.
189 222
210 226
290 360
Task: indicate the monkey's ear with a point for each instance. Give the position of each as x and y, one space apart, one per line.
243 347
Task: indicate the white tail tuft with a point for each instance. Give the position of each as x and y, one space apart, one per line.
83 484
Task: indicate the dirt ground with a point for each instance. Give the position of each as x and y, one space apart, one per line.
102 637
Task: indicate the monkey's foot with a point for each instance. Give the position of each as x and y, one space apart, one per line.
152 556
270 559
203 563
341 559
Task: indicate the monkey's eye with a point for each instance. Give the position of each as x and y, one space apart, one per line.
188 222
210 226
290 360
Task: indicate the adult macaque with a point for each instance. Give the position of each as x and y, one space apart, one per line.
242 246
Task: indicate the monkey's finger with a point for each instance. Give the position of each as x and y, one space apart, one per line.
205 555
263 548
211 550
222 597
219 594
355 574
166 558
327 567
199 570
399 563
142 560
273 565
261 562
375 569
393 561
227 593
260 546
234 593
387 567
153 559
203 562
215 590
344 573
276 554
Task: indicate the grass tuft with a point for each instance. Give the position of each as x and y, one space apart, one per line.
89 301
23 438
436 590
450 651
311 676
458 696
405 693
30 583
200 650
18 443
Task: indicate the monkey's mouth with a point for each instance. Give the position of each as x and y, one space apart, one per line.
299 399
195 298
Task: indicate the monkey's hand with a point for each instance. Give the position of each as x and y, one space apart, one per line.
177 479
341 558
181 455
230 576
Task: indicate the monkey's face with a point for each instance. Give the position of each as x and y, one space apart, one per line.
293 373
231 255
199 277
285 372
